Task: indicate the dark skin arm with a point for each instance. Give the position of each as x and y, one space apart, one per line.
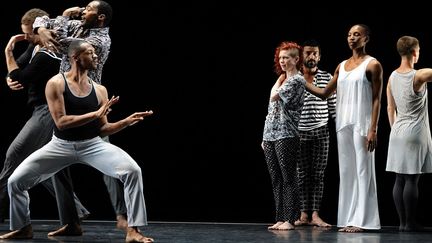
324 93
374 73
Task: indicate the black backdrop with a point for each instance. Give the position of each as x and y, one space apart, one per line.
206 72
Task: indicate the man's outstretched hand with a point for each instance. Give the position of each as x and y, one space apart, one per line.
138 116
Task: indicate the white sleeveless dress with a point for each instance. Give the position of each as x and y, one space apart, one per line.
410 143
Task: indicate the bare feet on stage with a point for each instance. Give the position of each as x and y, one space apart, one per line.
122 222
304 220
351 229
274 227
281 226
67 230
134 235
285 226
317 221
24 233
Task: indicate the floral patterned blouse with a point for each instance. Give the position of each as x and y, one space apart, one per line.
284 114
68 30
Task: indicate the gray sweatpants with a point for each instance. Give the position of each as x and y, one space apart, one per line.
58 154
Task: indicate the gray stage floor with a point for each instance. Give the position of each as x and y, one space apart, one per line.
184 232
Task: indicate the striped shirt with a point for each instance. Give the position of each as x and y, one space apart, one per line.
315 112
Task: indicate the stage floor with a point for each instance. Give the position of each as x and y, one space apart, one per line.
198 232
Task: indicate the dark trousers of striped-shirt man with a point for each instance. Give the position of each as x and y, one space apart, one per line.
312 161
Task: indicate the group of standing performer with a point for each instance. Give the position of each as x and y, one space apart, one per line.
296 135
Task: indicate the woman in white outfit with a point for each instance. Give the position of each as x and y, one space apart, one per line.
358 81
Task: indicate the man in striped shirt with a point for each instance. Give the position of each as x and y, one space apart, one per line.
314 138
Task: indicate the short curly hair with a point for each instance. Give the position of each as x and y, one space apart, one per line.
287 45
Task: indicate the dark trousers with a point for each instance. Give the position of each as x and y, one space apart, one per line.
36 132
312 161
281 158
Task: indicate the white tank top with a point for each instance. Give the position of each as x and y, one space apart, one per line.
354 98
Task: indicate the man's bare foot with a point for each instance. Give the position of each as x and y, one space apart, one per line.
134 235
67 230
274 227
304 219
286 226
122 222
301 221
319 222
25 232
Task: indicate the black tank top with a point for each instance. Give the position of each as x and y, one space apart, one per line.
77 106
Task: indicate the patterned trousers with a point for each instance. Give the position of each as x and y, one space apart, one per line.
312 161
282 162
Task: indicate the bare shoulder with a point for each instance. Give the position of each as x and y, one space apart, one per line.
101 91
57 81
99 87
374 66
336 72
424 75
56 78
374 63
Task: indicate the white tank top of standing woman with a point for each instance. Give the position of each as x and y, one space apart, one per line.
354 98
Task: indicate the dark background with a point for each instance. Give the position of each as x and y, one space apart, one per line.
206 71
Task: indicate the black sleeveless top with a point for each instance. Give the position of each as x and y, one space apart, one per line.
78 105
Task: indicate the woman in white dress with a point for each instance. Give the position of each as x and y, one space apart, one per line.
358 81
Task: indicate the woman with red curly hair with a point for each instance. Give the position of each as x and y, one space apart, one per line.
281 135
